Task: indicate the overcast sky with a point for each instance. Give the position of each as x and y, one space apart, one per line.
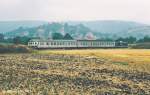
64 10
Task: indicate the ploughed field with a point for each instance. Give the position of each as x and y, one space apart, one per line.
76 72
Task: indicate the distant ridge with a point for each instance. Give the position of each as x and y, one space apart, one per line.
99 29
116 28
109 26
6 26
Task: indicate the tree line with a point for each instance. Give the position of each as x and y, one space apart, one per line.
24 40
58 36
133 40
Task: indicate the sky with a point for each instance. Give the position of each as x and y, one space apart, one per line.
75 10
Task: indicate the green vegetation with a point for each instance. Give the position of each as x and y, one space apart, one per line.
68 37
1 37
4 43
141 45
47 30
57 36
9 48
21 40
129 40
145 39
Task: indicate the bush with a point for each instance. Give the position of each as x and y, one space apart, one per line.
14 49
141 46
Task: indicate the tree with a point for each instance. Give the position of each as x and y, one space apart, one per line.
120 39
1 37
21 40
57 36
24 40
145 39
131 40
67 37
17 40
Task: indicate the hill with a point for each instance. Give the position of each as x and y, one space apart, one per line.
109 26
115 28
46 31
6 26
80 30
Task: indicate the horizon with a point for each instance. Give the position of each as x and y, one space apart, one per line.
75 10
65 21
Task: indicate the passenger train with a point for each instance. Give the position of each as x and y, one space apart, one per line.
71 44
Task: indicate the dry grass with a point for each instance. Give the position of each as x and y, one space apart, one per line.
138 59
76 72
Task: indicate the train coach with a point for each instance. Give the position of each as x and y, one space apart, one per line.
71 44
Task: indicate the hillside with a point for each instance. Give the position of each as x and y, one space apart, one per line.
114 28
80 30
109 26
6 26
46 31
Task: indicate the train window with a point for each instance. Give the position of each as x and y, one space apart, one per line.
86 43
47 43
65 43
57 43
107 43
74 43
71 43
83 43
51 43
61 43
41 43
91 44
94 43
98 43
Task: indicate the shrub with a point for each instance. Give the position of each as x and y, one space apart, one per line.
14 49
141 46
